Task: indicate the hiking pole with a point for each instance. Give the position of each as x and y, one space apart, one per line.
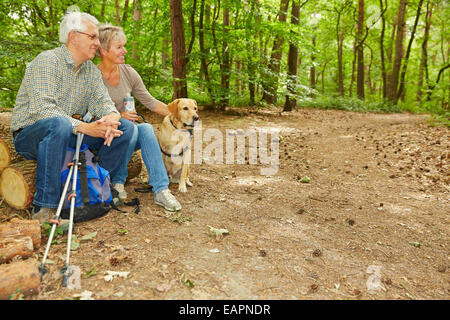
54 222
65 270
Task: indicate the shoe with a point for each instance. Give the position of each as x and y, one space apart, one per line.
121 190
43 214
166 199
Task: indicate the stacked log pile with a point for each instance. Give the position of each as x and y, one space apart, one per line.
19 273
19 239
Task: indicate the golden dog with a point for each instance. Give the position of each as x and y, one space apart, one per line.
175 137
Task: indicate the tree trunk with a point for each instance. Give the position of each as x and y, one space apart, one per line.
178 50
271 85
340 65
125 11
102 11
136 21
291 102
424 54
394 76
117 7
203 51
312 69
383 64
192 23
165 51
251 69
225 65
370 84
352 80
401 89
22 228
360 52
238 66
19 277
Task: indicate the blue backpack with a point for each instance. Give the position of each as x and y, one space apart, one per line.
93 190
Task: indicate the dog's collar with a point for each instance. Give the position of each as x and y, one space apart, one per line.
185 148
191 130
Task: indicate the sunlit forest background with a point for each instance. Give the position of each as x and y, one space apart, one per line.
362 55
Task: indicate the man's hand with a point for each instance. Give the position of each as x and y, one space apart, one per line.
105 128
112 121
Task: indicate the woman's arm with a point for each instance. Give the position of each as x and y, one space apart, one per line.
161 108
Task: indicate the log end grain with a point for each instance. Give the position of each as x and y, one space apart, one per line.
15 189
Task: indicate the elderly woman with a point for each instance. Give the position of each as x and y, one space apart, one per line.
121 79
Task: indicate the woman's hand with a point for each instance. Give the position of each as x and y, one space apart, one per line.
130 115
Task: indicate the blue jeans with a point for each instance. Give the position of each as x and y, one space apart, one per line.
144 138
47 141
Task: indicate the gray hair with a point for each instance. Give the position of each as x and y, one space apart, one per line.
74 21
108 33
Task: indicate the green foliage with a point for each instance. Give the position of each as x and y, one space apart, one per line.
31 26
350 104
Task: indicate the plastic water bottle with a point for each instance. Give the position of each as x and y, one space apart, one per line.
128 102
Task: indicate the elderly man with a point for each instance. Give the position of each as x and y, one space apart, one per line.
58 84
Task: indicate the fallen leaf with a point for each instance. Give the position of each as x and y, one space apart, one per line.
74 244
305 179
89 236
188 283
218 232
415 244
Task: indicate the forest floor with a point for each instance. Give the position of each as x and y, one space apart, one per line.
372 223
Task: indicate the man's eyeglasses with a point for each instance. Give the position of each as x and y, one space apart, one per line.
93 37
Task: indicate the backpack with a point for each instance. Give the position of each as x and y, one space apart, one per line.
93 190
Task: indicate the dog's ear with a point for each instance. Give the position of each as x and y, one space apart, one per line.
173 107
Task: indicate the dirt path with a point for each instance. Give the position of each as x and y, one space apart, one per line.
372 223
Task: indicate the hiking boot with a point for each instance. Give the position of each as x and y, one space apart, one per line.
43 214
166 199
121 190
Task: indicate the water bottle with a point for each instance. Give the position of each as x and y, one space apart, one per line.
128 102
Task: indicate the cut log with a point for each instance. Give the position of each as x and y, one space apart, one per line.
17 227
17 184
5 155
19 277
11 247
5 134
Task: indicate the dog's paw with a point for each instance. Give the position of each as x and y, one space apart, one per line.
189 183
182 188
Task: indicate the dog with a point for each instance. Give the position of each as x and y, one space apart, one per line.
175 137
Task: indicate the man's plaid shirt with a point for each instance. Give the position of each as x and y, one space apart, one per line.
50 88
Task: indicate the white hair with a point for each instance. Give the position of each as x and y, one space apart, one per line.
74 21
